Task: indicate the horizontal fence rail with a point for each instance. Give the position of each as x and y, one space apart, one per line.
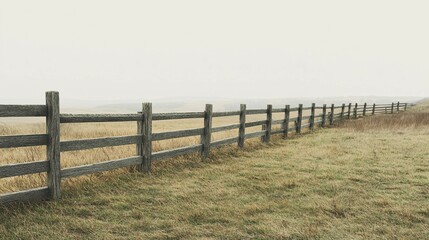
294 120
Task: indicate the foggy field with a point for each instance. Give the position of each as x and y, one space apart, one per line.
364 179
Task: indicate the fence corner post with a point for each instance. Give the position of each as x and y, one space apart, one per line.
286 122
207 135
242 129
312 116
53 146
147 137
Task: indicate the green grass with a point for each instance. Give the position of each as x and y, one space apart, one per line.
336 183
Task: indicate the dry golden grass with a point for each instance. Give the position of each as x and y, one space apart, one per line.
345 182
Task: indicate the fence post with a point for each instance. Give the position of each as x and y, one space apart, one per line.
350 109
299 119
267 136
343 107
53 145
331 119
393 105
397 107
324 115
242 129
286 122
373 109
207 135
147 137
405 107
139 147
364 109
313 113
355 111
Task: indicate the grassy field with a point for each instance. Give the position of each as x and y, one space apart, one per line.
365 179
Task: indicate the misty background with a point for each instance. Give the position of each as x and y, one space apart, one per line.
109 56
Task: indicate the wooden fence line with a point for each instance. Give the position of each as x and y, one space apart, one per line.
144 137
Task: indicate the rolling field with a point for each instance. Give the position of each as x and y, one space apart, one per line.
364 179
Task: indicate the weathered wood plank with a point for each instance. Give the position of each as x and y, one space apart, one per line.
364 110
254 134
35 194
256 123
23 110
147 137
101 166
324 116
171 116
206 138
176 152
278 110
85 118
242 129
226 114
286 122
331 119
256 111
267 136
19 169
82 144
53 151
23 140
177 134
225 128
298 122
312 116
226 141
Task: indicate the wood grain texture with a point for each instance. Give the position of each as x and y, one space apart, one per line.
171 116
299 120
23 140
82 144
176 152
225 128
226 114
324 116
312 116
364 110
23 110
147 137
101 166
177 134
85 118
207 135
19 169
242 129
35 194
53 147
269 123
256 111
286 122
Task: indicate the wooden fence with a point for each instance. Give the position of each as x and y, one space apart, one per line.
144 137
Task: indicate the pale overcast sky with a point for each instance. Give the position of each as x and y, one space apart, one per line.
152 49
